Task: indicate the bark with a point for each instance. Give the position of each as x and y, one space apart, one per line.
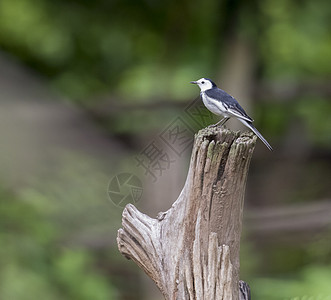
191 251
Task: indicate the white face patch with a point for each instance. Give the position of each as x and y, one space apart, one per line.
204 84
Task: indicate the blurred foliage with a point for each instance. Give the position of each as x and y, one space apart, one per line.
34 265
88 47
296 42
294 276
143 49
137 52
312 282
316 113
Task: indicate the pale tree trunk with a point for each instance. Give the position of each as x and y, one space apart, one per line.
191 251
237 74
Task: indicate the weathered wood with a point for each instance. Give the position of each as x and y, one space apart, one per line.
191 251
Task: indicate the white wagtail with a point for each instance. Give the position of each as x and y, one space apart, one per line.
221 103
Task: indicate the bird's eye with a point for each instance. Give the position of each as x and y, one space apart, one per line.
202 82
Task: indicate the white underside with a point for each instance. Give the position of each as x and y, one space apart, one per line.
219 109
214 106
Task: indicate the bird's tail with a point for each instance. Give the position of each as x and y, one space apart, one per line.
251 126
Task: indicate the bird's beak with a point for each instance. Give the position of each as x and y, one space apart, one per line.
193 82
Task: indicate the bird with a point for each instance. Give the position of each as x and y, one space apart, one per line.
221 103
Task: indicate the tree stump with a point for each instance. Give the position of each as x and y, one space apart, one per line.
191 251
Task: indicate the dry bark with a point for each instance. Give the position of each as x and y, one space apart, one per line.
191 251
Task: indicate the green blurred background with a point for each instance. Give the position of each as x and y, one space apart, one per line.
85 86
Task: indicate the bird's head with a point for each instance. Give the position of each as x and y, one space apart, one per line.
204 84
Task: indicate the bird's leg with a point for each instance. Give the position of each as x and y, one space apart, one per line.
223 121
220 123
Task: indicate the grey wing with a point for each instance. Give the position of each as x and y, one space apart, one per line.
230 103
236 110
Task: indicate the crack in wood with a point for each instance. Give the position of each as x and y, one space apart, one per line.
191 251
